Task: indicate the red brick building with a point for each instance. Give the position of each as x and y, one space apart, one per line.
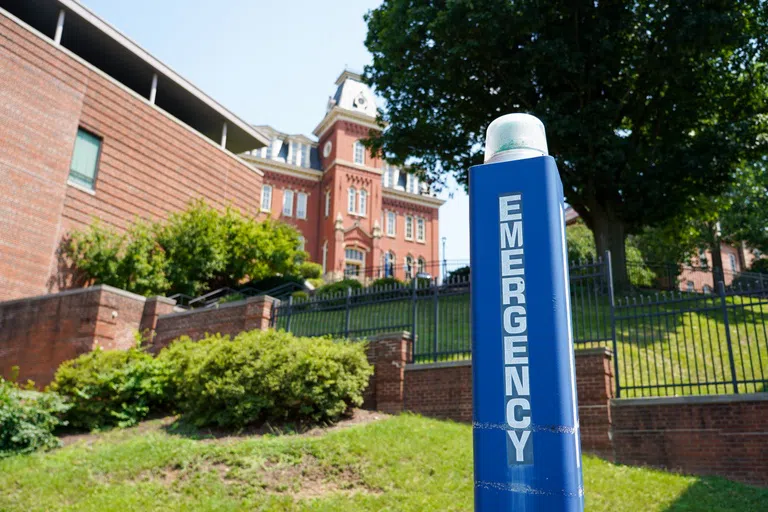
360 217
93 127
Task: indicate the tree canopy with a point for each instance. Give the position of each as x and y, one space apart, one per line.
646 103
194 251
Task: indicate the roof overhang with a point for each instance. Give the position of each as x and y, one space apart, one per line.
400 195
342 114
283 168
97 42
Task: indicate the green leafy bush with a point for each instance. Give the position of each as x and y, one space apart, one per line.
265 376
309 270
387 281
460 274
194 251
110 388
339 287
759 266
28 419
300 295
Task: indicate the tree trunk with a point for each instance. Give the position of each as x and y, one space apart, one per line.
717 262
610 235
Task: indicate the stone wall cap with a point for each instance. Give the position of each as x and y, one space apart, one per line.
76 291
164 300
690 400
593 351
396 335
442 364
262 298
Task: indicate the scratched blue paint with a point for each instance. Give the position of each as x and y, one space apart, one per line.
546 477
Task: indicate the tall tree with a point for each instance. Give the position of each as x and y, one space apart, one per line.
646 103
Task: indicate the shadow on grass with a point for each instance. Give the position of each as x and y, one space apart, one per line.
710 494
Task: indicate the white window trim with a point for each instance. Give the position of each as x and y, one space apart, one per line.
392 224
299 214
269 204
409 270
290 205
351 205
423 236
407 219
362 209
327 203
357 144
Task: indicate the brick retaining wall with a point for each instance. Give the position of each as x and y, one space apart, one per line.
725 435
39 333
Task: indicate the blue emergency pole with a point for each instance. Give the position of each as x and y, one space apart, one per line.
525 421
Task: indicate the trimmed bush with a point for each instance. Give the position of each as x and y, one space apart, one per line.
300 295
28 419
387 281
265 376
339 287
310 270
110 388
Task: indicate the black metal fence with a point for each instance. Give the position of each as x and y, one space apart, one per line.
665 343
683 343
437 313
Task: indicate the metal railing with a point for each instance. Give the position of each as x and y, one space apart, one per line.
437 313
682 343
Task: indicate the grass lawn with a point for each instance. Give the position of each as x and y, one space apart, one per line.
403 463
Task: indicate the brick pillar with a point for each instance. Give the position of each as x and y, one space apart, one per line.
153 308
258 312
389 353
594 383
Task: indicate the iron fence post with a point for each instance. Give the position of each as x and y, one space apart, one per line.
414 308
347 312
731 360
436 304
290 311
612 302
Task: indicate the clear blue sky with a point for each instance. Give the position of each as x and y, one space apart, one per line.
269 62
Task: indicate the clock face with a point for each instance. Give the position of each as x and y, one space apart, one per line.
327 149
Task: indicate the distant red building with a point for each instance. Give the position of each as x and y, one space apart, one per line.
360 216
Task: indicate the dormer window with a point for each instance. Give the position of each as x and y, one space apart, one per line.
359 153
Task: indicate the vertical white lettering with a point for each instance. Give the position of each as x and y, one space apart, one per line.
507 205
513 287
521 324
525 406
519 443
514 345
511 237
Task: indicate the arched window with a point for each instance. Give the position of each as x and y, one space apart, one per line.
389 264
409 267
359 153
327 203
363 206
421 267
351 203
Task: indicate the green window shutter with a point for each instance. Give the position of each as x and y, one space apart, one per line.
85 159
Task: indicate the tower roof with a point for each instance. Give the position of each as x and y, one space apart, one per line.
353 94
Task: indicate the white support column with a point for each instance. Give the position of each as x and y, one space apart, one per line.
153 91
224 136
59 27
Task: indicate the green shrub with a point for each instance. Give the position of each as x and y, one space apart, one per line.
387 281
309 270
28 419
194 251
460 274
110 388
300 295
265 376
339 287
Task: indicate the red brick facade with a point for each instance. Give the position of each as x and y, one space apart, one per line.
150 163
